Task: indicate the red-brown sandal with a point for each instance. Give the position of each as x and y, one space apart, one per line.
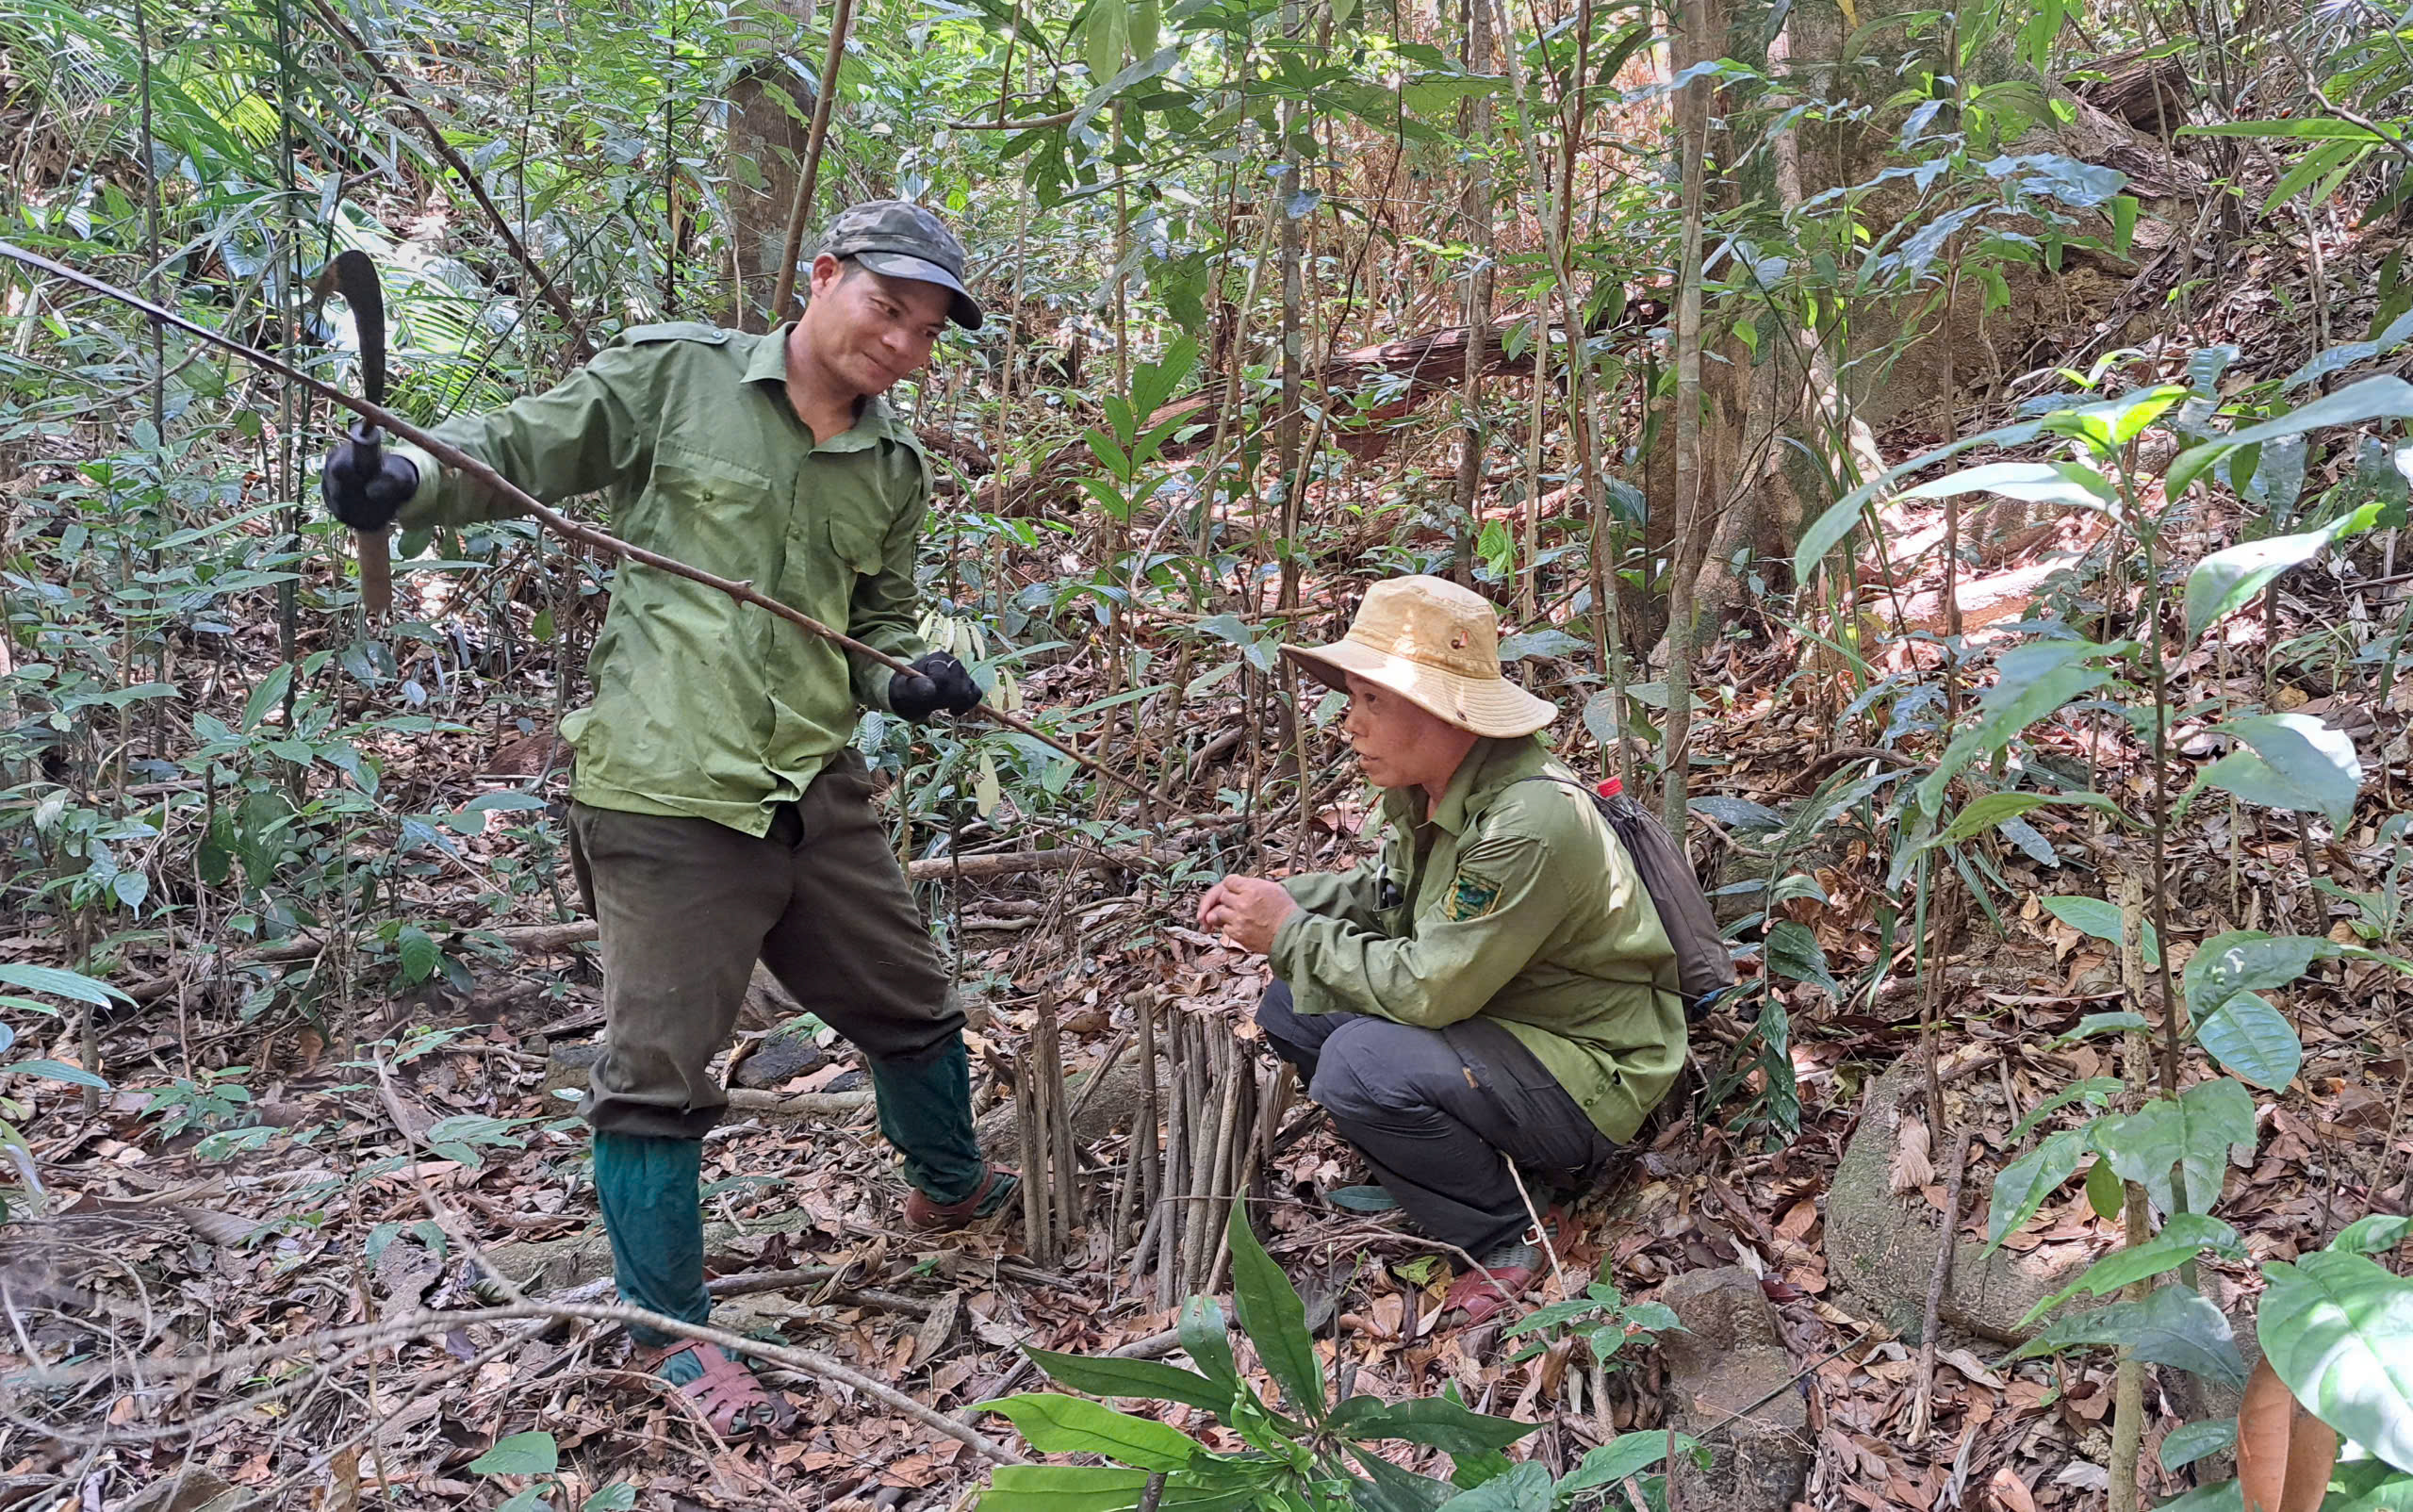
732 1397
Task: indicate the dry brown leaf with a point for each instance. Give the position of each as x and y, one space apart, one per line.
2284 1454
1971 1368
2009 1492
1914 1168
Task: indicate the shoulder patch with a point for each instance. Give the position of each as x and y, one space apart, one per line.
1472 897
675 331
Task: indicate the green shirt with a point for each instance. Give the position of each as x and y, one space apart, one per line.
1514 901
703 706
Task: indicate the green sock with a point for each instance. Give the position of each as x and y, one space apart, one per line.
652 1213
926 1112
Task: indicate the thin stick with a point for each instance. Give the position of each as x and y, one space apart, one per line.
825 94
1059 1125
1035 1232
452 457
1923 1404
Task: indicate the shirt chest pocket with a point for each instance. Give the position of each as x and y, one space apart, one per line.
707 511
855 542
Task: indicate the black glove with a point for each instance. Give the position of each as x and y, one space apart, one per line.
365 484
939 682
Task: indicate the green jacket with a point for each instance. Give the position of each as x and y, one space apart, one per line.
703 706
1512 900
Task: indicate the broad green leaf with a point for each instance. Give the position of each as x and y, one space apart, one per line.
1062 1489
2225 581
618 1497
522 1453
58 983
419 955
2248 960
2192 464
47 1070
1994 810
2174 1327
266 696
2223 1496
1393 1489
2124 418
2031 682
1274 1319
1526 1488
534 1498
2193 1133
2316 126
2191 1441
2094 1024
1057 1424
1793 953
2338 1329
1104 1376
2297 764
2372 399
1628 1453
1827 531
2369 1486
2025 1183
2374 1235
1436 1422
2251 1039
2036 483
2100 918
2183 1238
2104 1193
2095 1091
1208 1336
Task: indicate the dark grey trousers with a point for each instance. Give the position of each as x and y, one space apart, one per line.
1439 1113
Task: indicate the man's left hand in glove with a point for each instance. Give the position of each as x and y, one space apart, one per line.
938 681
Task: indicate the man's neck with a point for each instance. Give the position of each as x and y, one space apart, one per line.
824 403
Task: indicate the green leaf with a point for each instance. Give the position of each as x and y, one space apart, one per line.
618 1497
2183 1238
522 1453
2093 1090
2193 1133
2025 1183
536 1498
2248 960
2094 1024
1274 1319
1057 1424
2100 918
2338 1329
1827 531
1435 1423
2223 581
2297 764
2174 1327
1793 953
2251 1039
2036 483
1208 1336
2225 1496
2104 1193
2191 1441
58 1070
1104 1375
1062 1489
1628 1453
419 955
1526 1488
266 696
2374 1235
57 983
2321 128
1992 809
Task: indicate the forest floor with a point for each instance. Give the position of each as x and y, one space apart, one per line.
172 1234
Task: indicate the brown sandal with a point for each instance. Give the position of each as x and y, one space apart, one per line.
732 1397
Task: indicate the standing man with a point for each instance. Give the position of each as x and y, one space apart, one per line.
1496 985
719 813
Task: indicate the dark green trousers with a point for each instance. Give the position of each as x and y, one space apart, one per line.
686 907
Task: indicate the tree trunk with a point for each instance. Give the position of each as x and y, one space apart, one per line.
1475 205
770 108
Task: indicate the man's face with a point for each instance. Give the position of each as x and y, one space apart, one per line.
1397 742
870 330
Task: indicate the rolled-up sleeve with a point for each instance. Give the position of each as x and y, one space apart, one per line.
1505 907
1353 896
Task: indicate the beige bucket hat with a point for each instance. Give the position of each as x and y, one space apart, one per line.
1435 645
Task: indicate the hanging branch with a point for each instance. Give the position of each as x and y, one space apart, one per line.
579 348
825 93
560 525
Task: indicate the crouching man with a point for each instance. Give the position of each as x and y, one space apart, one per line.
1496 985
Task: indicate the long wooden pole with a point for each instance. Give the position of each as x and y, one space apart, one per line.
559 524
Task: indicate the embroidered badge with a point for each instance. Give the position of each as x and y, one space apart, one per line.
1470 897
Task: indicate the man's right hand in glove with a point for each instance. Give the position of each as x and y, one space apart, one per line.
366 487
938 681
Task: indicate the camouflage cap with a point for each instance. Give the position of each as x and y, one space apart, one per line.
904 241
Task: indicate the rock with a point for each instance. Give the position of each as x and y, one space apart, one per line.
779 1058
855 1081
1729 1356
1115 1107
566 1067
1882 1245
